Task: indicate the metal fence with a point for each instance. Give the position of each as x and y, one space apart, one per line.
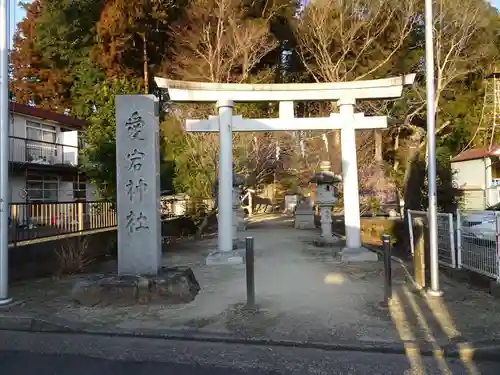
468 239
477 241
28 221
447 254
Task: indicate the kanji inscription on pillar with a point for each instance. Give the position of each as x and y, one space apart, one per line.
138 184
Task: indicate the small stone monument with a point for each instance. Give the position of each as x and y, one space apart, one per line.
304 214
325 181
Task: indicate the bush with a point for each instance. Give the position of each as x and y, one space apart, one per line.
72 257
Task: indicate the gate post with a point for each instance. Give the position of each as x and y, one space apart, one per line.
410 230
452 241
459 240
419 255
497 237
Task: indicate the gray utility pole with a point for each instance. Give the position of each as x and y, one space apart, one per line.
4 152
431 149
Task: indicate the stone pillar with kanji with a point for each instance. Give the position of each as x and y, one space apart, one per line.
138 184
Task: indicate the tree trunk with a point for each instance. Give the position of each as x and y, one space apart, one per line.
396 149
377 135
205 222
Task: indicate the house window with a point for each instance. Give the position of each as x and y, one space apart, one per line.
40 132
79 190
40 146
42 188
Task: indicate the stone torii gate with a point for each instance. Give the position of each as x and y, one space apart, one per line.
345 93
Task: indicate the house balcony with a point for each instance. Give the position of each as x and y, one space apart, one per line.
27 151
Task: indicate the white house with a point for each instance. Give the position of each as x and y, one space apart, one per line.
477 176
44 156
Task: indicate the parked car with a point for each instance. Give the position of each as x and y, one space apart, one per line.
481 225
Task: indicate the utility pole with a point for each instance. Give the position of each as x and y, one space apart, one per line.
4 152
431 149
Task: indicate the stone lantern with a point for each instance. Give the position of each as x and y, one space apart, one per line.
326 181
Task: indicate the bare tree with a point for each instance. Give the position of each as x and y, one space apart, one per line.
341 40
219 41
345 40
464 42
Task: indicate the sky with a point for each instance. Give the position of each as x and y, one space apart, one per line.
17 13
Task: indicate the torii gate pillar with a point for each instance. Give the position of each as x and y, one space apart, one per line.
225 218
350 174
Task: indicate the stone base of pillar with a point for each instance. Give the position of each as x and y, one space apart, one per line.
360 254
218 258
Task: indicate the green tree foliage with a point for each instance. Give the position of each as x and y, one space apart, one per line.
65 40
100 137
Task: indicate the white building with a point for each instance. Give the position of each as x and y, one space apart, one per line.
477 176
44 156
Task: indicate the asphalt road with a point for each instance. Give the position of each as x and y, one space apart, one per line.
37 364
64 354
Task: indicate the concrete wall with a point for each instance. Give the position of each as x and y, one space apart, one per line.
16 185
18 126
470 174
474 200
41 259
473 178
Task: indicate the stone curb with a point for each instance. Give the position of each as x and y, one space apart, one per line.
484 350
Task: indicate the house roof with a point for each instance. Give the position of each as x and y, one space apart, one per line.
44 114
477 153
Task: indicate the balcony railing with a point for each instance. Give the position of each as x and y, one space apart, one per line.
24 150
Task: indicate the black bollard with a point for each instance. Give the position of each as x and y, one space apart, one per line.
250 268
386 245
